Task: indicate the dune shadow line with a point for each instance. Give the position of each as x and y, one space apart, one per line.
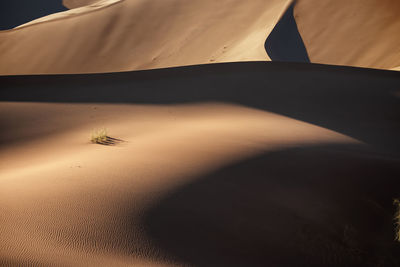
285 42
309 206
361 103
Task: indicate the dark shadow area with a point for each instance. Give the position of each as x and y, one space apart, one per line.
361 103
285 42
17 12
309 206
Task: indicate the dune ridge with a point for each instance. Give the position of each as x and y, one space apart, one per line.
69 13
78 3
112 36
139 34
216 156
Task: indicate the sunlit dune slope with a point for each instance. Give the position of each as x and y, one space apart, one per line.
246 164
111 36
362 33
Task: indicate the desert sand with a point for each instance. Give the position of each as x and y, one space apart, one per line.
122 35
242 163
362 33
227 164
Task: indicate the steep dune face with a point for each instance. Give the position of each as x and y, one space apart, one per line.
362 33
111 36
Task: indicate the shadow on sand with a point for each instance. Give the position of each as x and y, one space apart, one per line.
361 103
309 206
285 42
110 141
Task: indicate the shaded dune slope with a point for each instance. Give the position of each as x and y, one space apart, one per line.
140 34
302 91
362 33
226 164
326 205
285 43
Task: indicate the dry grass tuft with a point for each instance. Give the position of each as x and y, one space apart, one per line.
397 218
99 136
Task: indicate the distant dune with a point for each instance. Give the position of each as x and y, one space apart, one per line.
363 33
244 164
111 36
123 35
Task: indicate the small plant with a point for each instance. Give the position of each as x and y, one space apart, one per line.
397 219
99 136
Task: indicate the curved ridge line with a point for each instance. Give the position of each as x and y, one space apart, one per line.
90 10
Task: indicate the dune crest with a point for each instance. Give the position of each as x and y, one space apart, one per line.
141 34
74 12
78 3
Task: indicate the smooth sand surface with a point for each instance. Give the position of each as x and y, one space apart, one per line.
235 164
75 201
123 35
111 36
362 33
78 3
246 164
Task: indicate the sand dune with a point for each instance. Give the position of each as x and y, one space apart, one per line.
124 35
140 34
362 33
222 164
231 164
78 11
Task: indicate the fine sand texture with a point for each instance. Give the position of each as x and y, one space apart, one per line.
362 33
122 35
239 164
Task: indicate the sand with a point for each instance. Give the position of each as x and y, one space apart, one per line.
363 33
251 163
78 3
72 200
123 35
240 172
111 36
